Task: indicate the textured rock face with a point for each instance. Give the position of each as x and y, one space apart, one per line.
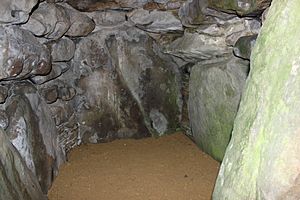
62 50
213 41
16 180
33 133
192 12
93 5
15 11
49 20
214 96
262 159
156 21
242 7
120 70
22 55
121 103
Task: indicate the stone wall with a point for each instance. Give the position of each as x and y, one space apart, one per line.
75 72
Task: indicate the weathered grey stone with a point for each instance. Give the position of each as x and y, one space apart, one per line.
152 77
214 95
108 17
212 41
94 5
3 93
262 159
156 21
16 180
120 101
62 49
191 12
66 93
21 54
81 24
243 47
33 133
15 11
49 20
241 7
50 94
57 69
4 122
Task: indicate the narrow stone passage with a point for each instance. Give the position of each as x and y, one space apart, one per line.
168 168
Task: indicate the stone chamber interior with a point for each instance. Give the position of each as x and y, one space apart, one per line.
224 73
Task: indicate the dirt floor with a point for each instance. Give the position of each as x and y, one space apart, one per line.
168 168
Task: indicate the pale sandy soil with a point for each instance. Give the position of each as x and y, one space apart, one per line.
168 168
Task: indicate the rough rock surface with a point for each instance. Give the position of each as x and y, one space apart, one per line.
81 24
62 49
242 7
214 96
244 45
94 5
262 160
49 20
21 54
156 21
122 101
33 133
213 41
16 180
15 11
119 70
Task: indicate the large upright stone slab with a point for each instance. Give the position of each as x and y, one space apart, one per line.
214 95
262 160
16 180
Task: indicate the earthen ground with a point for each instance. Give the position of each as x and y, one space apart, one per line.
167 168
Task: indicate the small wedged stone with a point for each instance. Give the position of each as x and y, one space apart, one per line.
244 45
50 94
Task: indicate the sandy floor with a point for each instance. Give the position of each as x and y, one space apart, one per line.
168 168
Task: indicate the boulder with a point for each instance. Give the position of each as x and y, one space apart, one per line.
156 21
94 5
213 41
81 24
33 133
16 180
119 70
15 11
241 7
62 49
22 55
262 159
48 20
214 95
108 17
192 12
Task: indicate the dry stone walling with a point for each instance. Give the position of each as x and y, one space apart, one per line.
92 71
